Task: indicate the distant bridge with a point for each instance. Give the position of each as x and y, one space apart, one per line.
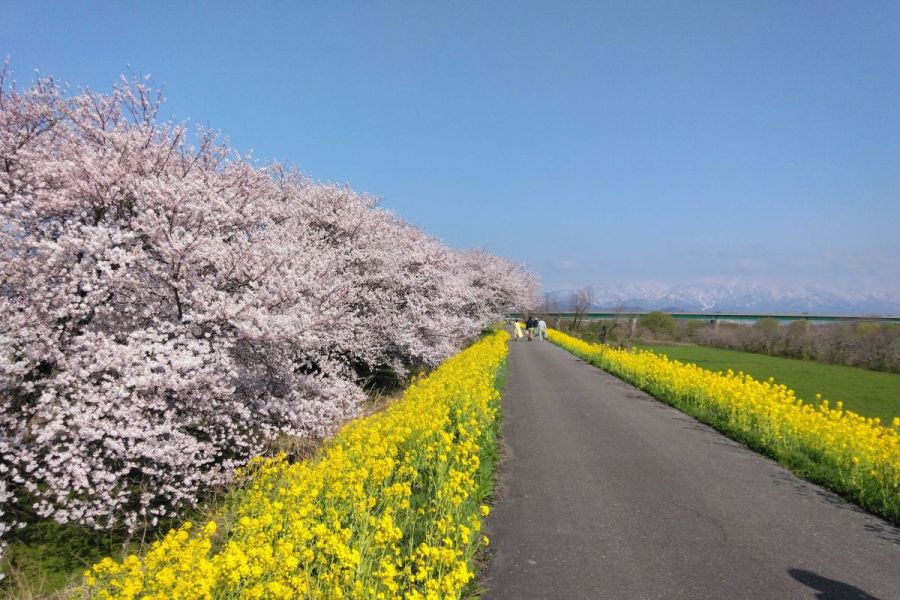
715 317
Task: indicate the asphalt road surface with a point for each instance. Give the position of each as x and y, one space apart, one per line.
607 493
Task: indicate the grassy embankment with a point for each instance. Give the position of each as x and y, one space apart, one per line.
51 558
390 505
46 560
869 393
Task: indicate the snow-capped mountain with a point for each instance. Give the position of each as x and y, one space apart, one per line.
737 296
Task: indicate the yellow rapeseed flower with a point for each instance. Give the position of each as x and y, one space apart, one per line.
387 509
861 455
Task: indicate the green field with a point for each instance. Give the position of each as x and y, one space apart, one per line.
868 393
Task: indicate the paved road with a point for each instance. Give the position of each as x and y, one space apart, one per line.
607 493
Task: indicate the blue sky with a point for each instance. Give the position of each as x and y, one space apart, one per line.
601 143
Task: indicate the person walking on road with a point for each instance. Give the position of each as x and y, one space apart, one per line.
532 328
542 329
517 330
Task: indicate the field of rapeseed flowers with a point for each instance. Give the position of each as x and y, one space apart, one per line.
849 453
390 508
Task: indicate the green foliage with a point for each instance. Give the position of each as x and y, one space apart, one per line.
691 328
869 393
45 557
658 323
767 325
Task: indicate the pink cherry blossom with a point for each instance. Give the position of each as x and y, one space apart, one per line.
168 306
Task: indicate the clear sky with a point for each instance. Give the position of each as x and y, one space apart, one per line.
601 143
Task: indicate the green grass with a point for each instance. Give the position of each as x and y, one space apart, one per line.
869 393
45 558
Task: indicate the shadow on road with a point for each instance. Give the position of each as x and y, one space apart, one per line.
873 524
885 532
829 589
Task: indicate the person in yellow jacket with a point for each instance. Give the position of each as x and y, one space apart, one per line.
517 330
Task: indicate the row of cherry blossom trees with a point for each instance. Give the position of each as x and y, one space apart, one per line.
168 306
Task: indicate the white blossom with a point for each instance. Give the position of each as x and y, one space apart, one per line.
168 306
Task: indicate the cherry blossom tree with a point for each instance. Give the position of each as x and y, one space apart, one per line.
168 306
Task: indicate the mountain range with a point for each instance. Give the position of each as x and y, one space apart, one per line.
735 296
